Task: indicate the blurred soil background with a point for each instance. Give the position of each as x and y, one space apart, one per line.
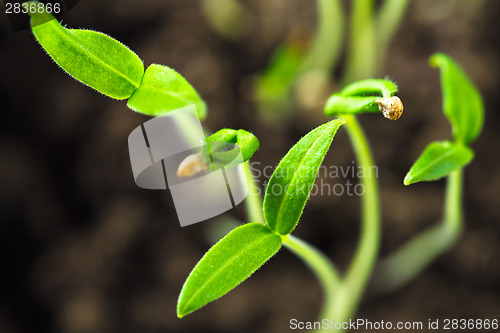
83 249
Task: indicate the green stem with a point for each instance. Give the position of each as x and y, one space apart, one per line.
412 258
325 51
321 267
253 200
366 255
361 268
453 215
188 123
361 53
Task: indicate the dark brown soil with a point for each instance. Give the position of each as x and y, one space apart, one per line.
83 249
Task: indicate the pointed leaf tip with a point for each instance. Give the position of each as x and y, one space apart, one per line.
91 57
292 181
462 101
438 160
228 263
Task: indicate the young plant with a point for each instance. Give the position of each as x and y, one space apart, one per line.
248 247
463 106
109 67
236 257
240 253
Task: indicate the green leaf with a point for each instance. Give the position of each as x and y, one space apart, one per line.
339 104
371 87
275 81
91 57
272 88
162 90
246 141
228 263
292 181
438 160
462 102
366 96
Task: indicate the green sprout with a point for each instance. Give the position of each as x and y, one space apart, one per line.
283 208
109 67
463 106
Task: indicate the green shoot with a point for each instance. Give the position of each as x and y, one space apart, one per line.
463 106
111 68
239 254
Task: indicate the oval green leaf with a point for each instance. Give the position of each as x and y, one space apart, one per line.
371 87
246 141
228 263
339 104
91 57
438 160
360 97
292 181
462 102
275 81
162 90
273 86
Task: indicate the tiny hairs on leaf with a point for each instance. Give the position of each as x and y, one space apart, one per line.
228 263
292 181
438 160
91 57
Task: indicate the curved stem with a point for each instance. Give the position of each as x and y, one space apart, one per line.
253 200
361 268
325 51
367 252
322 268
412 258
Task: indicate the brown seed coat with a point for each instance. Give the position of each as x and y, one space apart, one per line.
391 107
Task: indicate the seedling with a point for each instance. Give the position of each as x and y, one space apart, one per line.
109 67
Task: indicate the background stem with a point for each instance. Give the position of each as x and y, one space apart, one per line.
321 267
359 272
253 200
361 53
413 257
365 258
387 22
453 216
325 51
